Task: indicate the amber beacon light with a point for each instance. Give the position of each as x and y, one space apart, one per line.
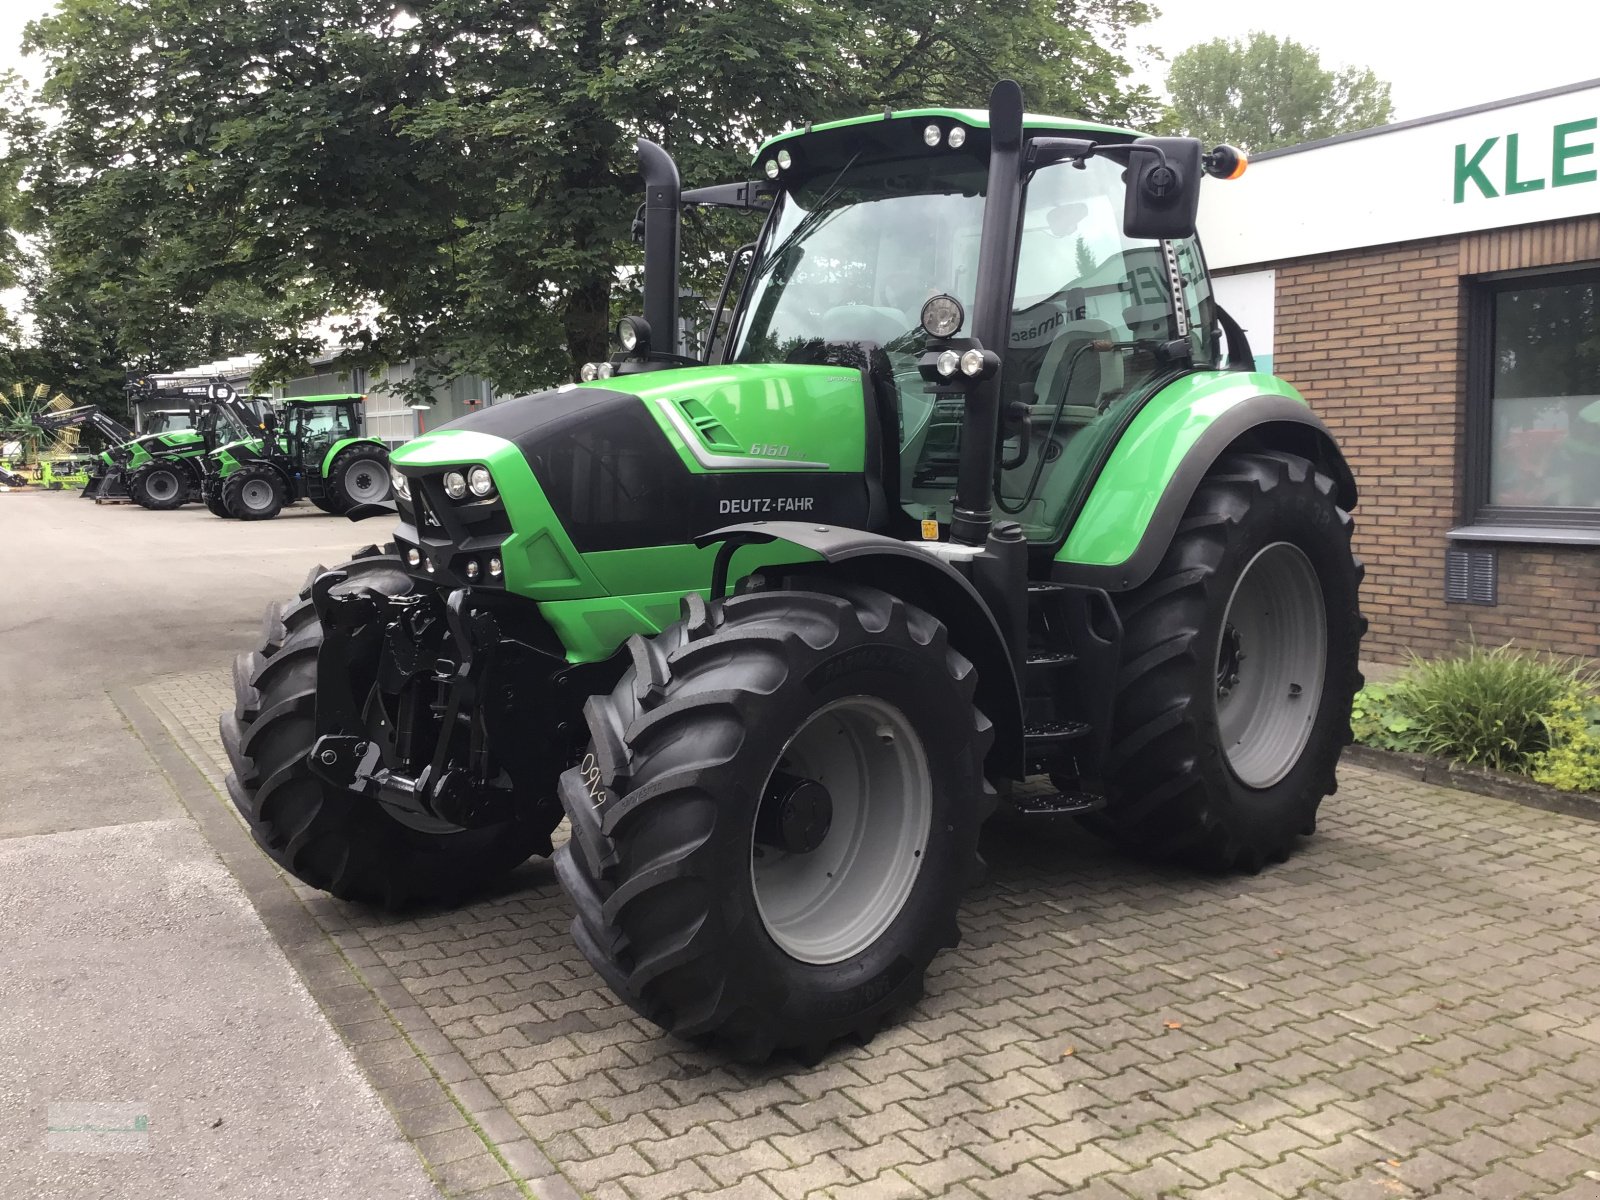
1226 162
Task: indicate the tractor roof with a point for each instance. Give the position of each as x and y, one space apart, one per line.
973 118
330 398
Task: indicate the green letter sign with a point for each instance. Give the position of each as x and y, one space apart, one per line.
1562 151
1473 169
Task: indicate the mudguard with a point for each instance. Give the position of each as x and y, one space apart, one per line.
916 576
1131 515
333 450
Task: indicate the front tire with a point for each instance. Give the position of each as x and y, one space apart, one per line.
211 496
254 493
1239 667
159 486
325 836
778 817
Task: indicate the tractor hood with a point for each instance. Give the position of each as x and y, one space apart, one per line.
768 418
650 459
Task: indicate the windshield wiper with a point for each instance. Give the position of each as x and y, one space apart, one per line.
809 222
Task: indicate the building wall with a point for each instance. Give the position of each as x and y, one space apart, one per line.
1376 340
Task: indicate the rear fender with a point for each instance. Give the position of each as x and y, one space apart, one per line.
918 578
1130 517
333 451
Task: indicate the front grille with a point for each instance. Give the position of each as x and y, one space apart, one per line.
450 533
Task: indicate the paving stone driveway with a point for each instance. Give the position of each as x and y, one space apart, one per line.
1410 1007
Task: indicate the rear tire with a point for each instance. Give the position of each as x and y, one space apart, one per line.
325 836
1217 758
254 493
359 475
707 929
159 486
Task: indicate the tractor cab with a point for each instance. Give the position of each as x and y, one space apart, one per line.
872 220
310 425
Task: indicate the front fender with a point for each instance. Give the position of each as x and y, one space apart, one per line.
1133 510
918 578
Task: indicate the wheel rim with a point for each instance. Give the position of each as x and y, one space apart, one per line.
161 485
829 903
1271 658
256 494
366 481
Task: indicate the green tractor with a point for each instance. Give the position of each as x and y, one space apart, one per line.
982 485
311 447
179 418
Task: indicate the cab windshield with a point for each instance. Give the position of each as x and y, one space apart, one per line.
852 259
167 420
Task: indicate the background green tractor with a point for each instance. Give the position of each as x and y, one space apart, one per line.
981 485
179 418
312 447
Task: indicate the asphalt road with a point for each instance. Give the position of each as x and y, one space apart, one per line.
136 979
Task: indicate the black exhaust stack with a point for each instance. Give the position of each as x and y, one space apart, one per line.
971 516
662 192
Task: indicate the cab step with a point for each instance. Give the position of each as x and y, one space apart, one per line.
1058 804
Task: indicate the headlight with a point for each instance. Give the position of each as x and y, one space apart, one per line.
402 485
481 482
455 484
589 372
948 363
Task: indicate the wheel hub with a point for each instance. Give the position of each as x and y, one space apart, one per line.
1265 714
161 485
838 841
1229 657
795 814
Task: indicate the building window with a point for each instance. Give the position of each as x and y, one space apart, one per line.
1534 402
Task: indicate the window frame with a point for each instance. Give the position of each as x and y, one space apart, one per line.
1477 511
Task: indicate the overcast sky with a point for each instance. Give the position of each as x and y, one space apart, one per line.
1438 56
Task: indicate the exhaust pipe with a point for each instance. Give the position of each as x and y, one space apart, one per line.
662 199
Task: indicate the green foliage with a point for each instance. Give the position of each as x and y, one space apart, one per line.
1497 708
1572 763
456 176
1379 718
1267 93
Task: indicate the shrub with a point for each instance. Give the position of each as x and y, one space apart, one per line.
1486 707
1572 763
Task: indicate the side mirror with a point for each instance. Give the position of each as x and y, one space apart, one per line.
1163 188
269 422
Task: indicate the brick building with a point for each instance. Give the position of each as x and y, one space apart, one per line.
1433 288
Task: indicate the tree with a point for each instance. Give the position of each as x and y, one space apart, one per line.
1267 93
456 178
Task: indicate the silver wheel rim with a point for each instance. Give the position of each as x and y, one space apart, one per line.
831 903
256 494
161 485
366 481
1271 656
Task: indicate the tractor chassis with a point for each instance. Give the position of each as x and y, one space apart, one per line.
465 726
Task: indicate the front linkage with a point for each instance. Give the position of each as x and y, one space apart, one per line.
466 724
